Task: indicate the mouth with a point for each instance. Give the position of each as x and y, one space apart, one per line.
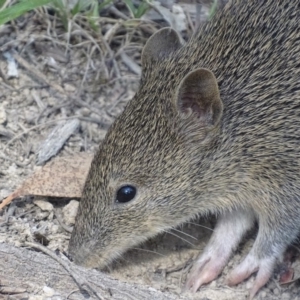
88 260
92 254
91 257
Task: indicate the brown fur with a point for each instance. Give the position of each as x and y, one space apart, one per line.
185 164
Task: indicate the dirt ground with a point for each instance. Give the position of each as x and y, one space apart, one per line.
80 82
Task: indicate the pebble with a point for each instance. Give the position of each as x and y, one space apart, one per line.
85 112
51 216
52 101
69 87
276 291
43 205
26 93
4 193
263 294
285 296
35 297
41 215
70 212
54 228
44 93
49 292
2 115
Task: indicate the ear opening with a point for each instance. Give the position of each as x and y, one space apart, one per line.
198 97
161 44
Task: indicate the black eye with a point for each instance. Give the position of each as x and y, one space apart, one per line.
126 194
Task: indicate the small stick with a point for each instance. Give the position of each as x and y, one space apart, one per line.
66 265
38 74
11 197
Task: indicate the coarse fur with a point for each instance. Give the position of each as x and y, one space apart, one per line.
239 159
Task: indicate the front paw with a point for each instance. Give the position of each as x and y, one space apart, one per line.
207 268
251 264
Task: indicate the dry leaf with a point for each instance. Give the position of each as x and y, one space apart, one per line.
61 177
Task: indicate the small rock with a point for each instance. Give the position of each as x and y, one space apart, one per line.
85 112
285 296
2 115
213 284
12 67
54 228
43 205
179 17
42 215
276 291
35 297
52 101
70 212
51 216
18 244
263 294
49 292
26 93
4 193
44 93
12 170
249 284
69 87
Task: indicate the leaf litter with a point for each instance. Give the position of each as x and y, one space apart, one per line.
63 177
105 73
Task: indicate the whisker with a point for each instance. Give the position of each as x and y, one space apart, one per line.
119 257
186 234
150 251
202 226
109 268
178 236
122 258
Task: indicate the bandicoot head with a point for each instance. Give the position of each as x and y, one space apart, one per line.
142 179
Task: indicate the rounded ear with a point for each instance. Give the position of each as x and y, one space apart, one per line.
161 44
198 95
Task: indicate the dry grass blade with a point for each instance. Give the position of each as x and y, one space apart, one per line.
38 74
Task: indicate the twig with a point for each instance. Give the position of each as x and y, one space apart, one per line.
11 197
133 66
117 13
62 224
37 73
94 120
19 164
67 265
26 131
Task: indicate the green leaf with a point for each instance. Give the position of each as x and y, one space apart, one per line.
142 9
104 3
213 9
93 16
62 11
76 9
18 9
137 12
130 6
2 3
95 10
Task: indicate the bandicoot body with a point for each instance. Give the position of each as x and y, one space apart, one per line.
214 127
